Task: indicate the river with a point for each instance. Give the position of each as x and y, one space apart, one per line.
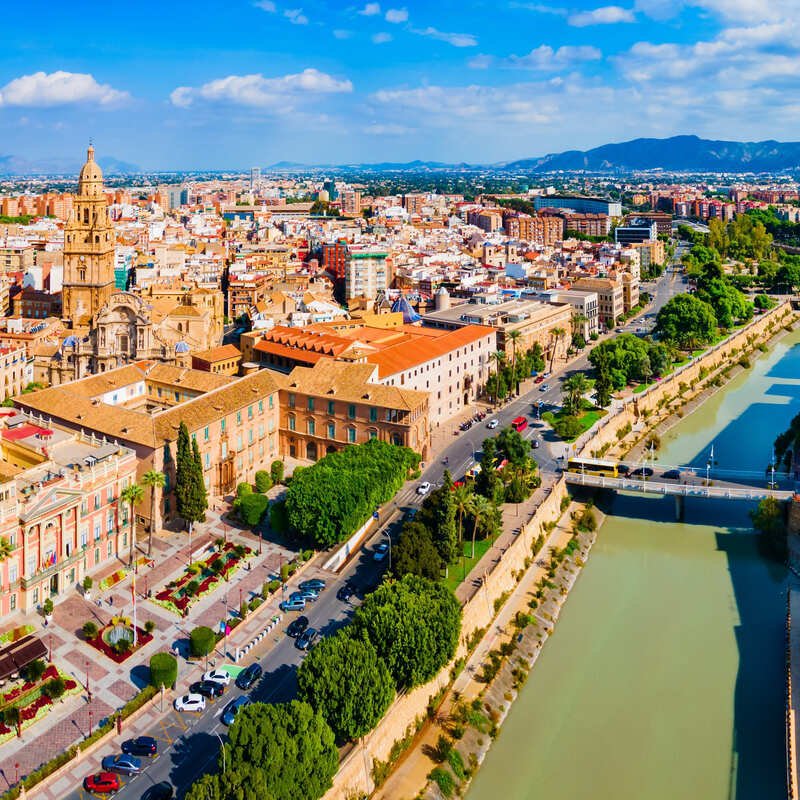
664 677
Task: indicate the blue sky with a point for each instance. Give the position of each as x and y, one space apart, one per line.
183 85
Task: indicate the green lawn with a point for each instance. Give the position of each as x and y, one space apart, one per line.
586 420
458 571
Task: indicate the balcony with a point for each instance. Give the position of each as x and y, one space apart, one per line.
26 583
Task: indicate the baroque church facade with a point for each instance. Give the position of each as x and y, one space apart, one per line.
108 328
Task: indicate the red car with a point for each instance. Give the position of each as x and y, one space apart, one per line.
102 783
539 379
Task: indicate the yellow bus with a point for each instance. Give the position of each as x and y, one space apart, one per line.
593 466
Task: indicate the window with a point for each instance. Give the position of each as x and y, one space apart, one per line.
110 523
291 423
166 482
351 411
331 407
96 501
270 401
291 400
97 530
260 406
331 431
205 435
373 415
177 396
35 595
84 536
224 450
13 570
312 426
238 417
207 482
351 435
97 555
271 425
12 605
261 430
208 461
241 464
223 426
110 548
249 412
250 436
239 443
373 434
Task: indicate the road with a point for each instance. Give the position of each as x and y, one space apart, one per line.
189 743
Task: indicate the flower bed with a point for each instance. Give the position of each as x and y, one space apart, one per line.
15 634
173 596
100 641
32 701
113 580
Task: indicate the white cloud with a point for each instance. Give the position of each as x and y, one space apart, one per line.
396 15
480 61
541 9
381 38
455 39
385 130
266 5
59 89
545 58
370 9
342 34
296 16
607 15
256 91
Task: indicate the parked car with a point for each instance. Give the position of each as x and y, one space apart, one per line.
296 596
293 605
306 640
317 584
346 592
102 783
218 676
190 702
380 551
249 676
539 378
124 764
423 488
297 626
535 443
310 595
141 746
671 474
232 709
544 387
210 689
161 791
492 424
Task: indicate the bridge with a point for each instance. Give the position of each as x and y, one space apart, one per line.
676 488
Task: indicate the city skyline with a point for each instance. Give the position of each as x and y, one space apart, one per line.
325 83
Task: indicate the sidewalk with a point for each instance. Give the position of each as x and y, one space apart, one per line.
112 685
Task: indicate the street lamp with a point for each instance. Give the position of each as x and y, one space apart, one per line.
90 724
222 748
390 548
16 772
88 690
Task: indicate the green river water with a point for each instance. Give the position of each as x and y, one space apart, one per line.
664 677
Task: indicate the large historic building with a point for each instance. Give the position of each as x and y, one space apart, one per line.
107 328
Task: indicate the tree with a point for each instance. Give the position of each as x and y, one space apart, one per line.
788 277
413 624
556 335
488 483
132 495
199 494
415 553
290 742
480 509
461 501
89 630
243 489
202 641
345 681
514 335
511 445
247 782
55 687
686 321
499 357
572 391
251 508
33 672
276 471
184 476
163 670
768 521
263 481
537 357
155 481
438 514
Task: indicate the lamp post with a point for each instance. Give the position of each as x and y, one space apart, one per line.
88 690
16 772
390 548
50 648
90 724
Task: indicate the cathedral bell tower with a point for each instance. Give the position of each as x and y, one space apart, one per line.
88 249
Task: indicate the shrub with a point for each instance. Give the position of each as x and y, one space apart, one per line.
87 583
122 646
89 630
244 489
276 471
33 672
263 481
284 573
163 670
55 687
456 764
240 550
47 607
444 780
251 508
278 520
243 610
201 641
149 626
191 588
273 586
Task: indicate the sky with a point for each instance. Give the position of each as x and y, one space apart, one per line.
182 85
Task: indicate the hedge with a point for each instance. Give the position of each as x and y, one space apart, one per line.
201 641
163 670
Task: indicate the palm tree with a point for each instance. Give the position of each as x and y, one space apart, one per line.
514 335
5 549
153 479
499 357
556 334
462 499
132 495
578 321
573 389
480 508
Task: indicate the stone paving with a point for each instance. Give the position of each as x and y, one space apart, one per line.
112 685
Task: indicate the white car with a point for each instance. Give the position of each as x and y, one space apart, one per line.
190 702
492 424
423 488
218 676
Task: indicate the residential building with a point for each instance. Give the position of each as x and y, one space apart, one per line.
610 297
651 253
581 205
223 360
662 219
351 203
630 291
585 304
334 257
16 258
244 291
367 274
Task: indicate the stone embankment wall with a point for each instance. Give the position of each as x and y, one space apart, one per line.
354 778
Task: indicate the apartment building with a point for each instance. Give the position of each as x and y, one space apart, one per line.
366 274
584 304
630 291
351 203
662 219
413 204
60 508
244 291
16 370
651 253
16 257
610 297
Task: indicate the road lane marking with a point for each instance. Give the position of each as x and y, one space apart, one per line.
163 728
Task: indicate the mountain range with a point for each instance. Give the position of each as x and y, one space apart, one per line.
16 165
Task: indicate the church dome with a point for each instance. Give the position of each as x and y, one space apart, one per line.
181 347
90 180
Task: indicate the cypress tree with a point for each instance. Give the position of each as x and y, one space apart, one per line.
184 474
199 495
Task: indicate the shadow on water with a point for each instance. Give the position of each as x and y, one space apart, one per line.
757 765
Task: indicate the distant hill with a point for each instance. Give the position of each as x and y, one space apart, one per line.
16 165
676 154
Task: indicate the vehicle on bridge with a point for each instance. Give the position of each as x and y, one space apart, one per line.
593 466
